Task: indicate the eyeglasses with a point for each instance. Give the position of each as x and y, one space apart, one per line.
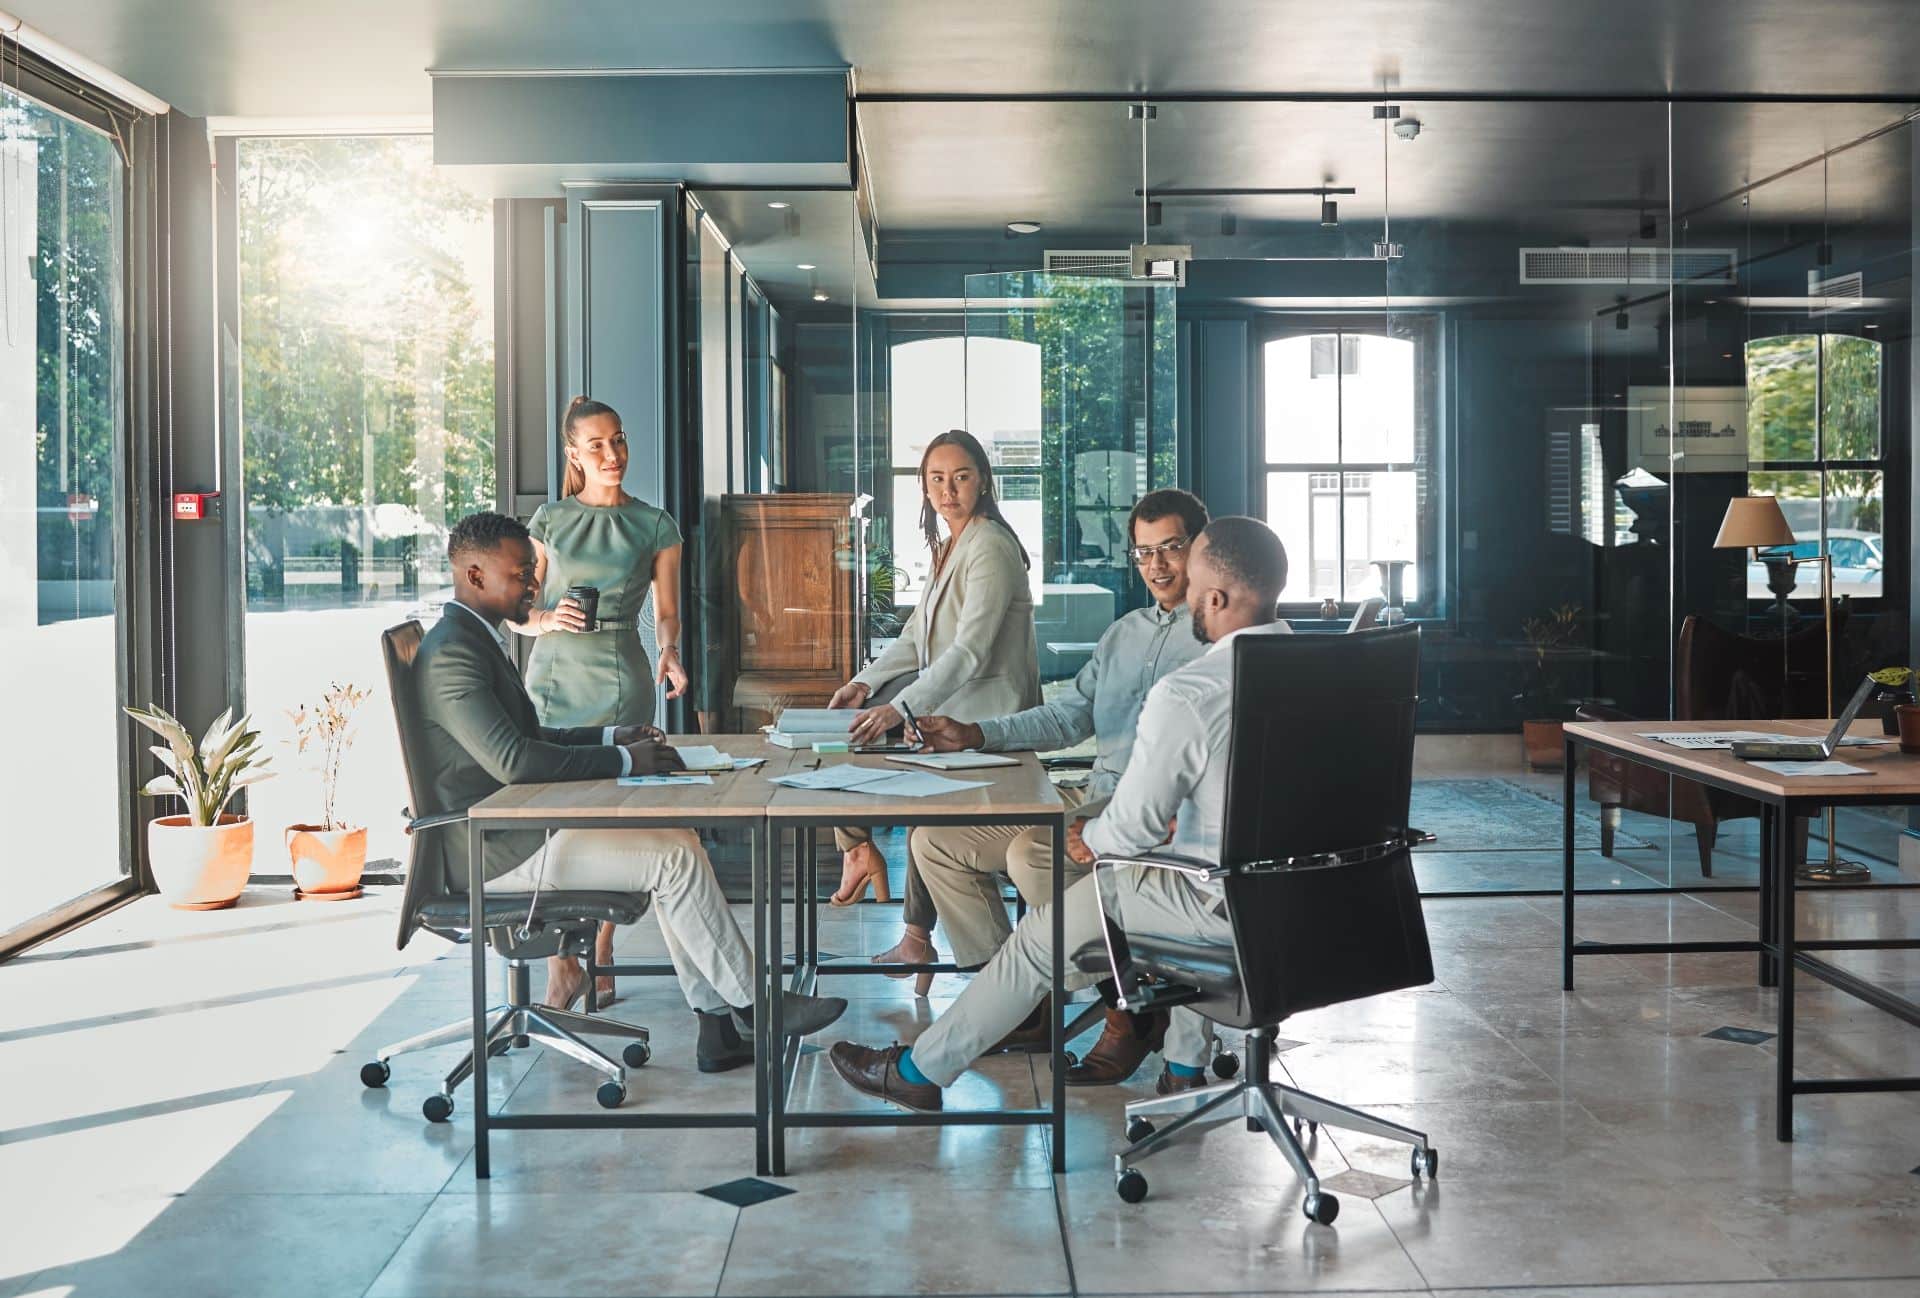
1143 554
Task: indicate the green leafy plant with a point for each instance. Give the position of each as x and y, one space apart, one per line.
1893 677
1549 636
206 777
328 727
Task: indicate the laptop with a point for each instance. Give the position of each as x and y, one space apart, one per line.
1806 750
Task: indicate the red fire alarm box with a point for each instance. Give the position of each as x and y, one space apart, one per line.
193 506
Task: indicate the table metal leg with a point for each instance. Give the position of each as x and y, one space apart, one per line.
1769 870
765 973
776 1016
1059 1057
477 939
1782 866
1566 869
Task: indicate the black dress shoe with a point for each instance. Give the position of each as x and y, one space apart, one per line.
720 1048
877 1073
801 1016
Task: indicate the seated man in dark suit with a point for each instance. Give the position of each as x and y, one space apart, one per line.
480 733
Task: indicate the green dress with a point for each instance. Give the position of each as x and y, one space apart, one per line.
598 678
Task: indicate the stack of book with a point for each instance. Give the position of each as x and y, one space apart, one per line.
805 727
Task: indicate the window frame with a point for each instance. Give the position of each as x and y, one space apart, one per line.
1423 331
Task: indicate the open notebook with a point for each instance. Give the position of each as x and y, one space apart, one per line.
956 761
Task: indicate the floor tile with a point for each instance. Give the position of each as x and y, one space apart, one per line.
561 1245
848 1240
212 1245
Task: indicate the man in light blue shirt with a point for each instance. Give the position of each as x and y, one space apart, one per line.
961 864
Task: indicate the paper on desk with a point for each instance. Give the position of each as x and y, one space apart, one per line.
846 777
661 781
1811 768
704 757
956 761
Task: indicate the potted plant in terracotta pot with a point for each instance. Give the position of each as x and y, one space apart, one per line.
201 859
1552 639
328 857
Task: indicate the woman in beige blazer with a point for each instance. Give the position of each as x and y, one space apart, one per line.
971 642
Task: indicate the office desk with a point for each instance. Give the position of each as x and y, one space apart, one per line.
1894 781
1014 795
738 799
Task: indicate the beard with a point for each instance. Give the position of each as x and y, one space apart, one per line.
1197 623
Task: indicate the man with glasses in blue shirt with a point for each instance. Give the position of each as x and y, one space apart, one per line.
961 864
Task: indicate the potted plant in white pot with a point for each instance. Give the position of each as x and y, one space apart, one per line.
328 857
201 859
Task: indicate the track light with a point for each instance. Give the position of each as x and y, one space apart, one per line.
1229 223
1329 213
1023 227
1153 212
1620 320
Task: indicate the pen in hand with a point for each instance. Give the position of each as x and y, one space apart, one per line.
913 727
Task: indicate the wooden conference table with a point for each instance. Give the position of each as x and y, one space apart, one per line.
1893 780
747 800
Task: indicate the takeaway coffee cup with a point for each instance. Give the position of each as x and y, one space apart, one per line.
588 598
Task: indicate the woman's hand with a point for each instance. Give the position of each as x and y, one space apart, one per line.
671 672
945 735
871 726
567 615
850 695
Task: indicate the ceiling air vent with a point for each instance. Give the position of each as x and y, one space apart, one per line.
1627 265
1116 263
1839 293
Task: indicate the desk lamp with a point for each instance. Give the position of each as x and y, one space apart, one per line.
1756 523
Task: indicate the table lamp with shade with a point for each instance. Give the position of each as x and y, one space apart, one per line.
1756 523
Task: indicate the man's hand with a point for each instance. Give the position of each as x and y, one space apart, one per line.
625 736
1077 850
651 757
871 726
850 695
567 615
945 735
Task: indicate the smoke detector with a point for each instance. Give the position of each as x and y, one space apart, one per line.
1407 128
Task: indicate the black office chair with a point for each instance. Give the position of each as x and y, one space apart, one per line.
522 928
1318 884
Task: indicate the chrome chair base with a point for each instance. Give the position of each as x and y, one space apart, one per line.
1274 1107
521 1023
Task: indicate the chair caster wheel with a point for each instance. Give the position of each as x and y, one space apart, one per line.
1307 1129
497 1048
374 1075
611 1094
1138 1129
1225 1065
636 1054
1426 1162
1321 1209
438 1108
1130 1185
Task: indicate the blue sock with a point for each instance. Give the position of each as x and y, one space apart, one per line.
908 1072
1184 1070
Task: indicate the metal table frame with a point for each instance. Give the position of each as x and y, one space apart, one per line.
1781 951
806 969
485 1121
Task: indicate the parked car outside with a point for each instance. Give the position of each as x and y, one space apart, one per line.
1856 566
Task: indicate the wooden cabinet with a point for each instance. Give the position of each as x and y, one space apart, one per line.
789 570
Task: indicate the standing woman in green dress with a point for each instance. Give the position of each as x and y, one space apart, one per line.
598 535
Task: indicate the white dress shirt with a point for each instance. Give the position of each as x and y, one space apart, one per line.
500 638
1185 724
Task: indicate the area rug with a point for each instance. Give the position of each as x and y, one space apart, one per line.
1501 816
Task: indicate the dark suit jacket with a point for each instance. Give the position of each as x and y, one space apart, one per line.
479 733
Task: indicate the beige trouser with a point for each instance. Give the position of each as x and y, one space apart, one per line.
712 959
961 867
1148 901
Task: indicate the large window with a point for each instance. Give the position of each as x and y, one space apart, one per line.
62 194
1813 440
1342 464
367 425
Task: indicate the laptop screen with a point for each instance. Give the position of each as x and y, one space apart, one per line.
1851 711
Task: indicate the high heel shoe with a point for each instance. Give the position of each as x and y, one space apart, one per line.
923 980
856 879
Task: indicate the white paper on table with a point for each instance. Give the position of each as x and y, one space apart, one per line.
1811 768
841 776
747 763
704 757
920 784
846 777
956 761
660 781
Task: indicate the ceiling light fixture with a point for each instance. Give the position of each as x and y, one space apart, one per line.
806 265
1023 227
1329 213
1229 223
779 205
1620 320
819 295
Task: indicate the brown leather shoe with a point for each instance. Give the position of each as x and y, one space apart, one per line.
877 1073
1033 1036
1169 1084
1124 1045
